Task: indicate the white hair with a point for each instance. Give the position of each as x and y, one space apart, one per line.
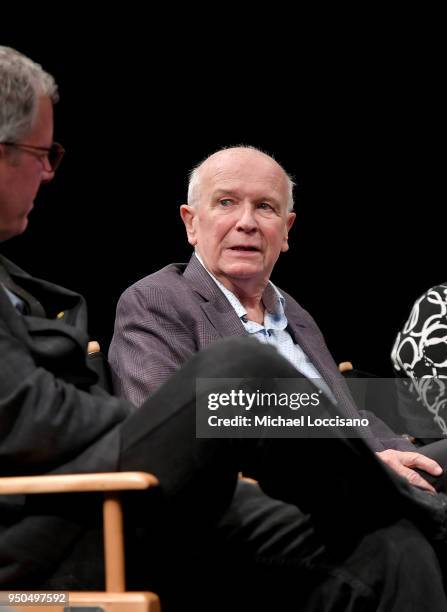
22 82
195 178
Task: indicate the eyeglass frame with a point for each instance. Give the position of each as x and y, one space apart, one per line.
57 149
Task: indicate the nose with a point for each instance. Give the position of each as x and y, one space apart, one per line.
247 220
47 172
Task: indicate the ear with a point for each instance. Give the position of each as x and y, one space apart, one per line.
289 222
188 215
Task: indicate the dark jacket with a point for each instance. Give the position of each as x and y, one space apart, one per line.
53 418
163 319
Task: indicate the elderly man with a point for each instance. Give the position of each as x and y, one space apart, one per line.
55 418
238 216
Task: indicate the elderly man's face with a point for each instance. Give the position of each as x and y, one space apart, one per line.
240 224
22 172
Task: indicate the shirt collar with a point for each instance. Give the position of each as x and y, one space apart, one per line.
274 316
17 302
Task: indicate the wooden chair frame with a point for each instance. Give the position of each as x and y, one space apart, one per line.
111 484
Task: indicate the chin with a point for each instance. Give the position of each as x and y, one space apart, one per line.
21 227
7 235
241 270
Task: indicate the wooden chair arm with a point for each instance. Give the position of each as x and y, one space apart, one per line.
67 483
110 483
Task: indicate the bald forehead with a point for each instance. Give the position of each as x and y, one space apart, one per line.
241 161
241 170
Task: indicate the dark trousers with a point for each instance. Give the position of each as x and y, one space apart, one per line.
361 548
204 536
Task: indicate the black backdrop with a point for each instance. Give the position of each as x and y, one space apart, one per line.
360 136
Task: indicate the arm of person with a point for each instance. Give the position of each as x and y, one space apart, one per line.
45 421
152 339
403 462
417 351
385 437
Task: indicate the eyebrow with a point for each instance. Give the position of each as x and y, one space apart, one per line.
221 191
231 192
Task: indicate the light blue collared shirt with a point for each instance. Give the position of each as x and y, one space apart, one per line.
274 330
16 301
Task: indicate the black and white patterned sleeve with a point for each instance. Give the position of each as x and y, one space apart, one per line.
420 353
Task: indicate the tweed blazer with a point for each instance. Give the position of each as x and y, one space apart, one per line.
163 319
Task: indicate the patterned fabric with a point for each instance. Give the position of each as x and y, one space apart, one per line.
420 352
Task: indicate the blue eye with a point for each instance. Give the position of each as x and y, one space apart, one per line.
265 206
225 202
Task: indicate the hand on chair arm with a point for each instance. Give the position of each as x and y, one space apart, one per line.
404 462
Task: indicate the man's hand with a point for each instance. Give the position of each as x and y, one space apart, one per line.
403 462
93 347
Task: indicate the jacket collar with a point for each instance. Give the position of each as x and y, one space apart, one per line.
215 305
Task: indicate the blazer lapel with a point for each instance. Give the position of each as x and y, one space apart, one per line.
66 320
322 360
215 305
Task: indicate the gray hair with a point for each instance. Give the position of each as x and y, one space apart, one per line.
22 82
194 176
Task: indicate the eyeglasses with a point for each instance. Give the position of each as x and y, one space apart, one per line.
54 154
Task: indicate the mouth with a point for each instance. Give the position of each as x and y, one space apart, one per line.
245 249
